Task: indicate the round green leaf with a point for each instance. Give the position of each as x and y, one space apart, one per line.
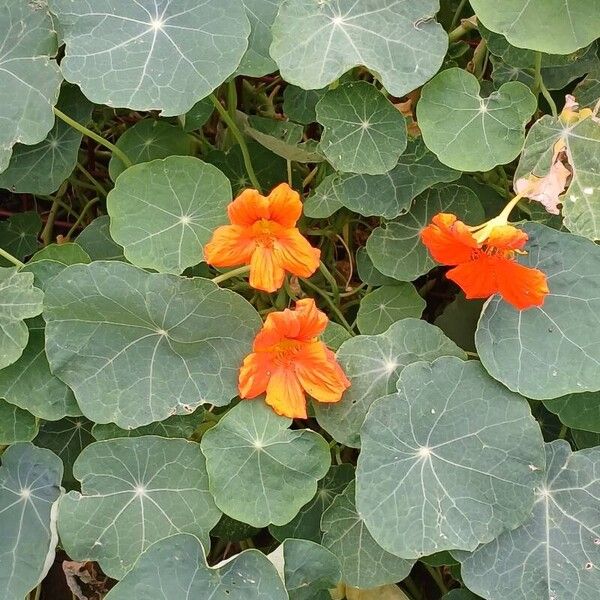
96 241
138 347
578 411
581 207
148 140
261 472
388 195
395 247
314 43
364 563
135 492
18 235
306 524
29 488
459 321
468 132
177 426
335 335
552 26
373 364
386 305
177 565
363 131
310 570
151 55
66 438
549 351
16 424
300 105
164 211
29 79
20 300
257 61
555 553
449 461
585 439
67 253
367 272
42 168
197 115
587 91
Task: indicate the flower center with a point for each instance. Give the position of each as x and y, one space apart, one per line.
263 233
286 351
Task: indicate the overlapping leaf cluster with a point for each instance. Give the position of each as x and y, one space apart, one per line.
463 461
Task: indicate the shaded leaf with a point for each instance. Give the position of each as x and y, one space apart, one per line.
18 235
578 411
299 105
96 241
16 424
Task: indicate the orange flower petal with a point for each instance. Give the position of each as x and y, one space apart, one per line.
448 240
476 278
248 208
319 374
254 375
229 246
265 273
507 237
312 320
285 394
285 206
295 254
521 286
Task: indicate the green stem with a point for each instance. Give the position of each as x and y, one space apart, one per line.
461 31
539 85
435 575
48 230
232 99
97 138
231 274
11 258
81 217
331 280
237 134
97 185
332 305
457 14
563 432
480 59
289 172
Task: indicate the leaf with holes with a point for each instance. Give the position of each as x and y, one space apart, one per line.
467 131
552 26
362 131
306 524
386 305
129 360
548 351
164 211
364 563
250 452
396 248
555 553
449 461
177 565
29 77
135 492
581 143
42 168
20 301
314 43
148 140
373 364
29 491
151 55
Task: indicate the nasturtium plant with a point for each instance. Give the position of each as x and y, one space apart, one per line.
299 299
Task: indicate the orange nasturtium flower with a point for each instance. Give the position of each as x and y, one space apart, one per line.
263 234
288 360
484 259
